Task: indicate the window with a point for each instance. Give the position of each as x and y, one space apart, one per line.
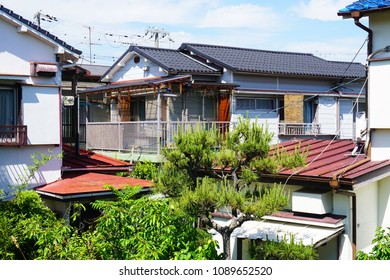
11 132
244 104
8 107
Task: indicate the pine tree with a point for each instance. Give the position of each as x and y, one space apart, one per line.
221 171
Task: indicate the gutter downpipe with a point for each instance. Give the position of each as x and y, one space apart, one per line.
356 16
335 184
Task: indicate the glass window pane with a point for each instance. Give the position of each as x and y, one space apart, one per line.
7 107
245 104
264 104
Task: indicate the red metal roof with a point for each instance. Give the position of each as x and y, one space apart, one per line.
88 160
328 158
89 183
87 173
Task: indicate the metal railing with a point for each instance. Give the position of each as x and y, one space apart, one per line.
11 135
299 129
140 137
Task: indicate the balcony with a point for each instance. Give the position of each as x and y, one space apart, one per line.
299 129
139 138
13 135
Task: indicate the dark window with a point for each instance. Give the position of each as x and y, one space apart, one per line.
260 104
8 106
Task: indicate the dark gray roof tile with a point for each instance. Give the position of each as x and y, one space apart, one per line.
173 60
274 62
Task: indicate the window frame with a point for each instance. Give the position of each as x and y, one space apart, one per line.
256 100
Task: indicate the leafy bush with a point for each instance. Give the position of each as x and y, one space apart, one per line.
281 250
381 249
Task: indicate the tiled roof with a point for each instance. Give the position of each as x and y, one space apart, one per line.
366 5
38 29
173 60
274 62
328 159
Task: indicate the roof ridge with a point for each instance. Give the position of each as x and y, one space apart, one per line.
248 49
39 29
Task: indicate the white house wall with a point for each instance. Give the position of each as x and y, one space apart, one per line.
378 86
20 49
14 163
41 114
379 23
327 114
346 119
384 202
342 206
367 215
134 71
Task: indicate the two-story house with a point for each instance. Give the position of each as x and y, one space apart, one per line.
31 61
342 194
150 91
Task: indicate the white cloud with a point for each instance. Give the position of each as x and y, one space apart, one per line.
113 11
342 49
241 16
325 10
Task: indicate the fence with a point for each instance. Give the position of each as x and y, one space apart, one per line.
139 137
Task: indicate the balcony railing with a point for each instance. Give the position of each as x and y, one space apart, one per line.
299 129
139 137
13 135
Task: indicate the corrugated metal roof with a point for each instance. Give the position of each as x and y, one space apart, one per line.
39 29
275 62
86 173
88 160
94 70
147 82
328 158
365 5
89 183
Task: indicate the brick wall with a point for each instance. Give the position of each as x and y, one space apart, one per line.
293 108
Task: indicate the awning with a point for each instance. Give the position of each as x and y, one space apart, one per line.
277 231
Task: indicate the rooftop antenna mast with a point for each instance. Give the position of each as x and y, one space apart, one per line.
39 17
157 34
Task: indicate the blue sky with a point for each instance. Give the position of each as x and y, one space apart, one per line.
310 26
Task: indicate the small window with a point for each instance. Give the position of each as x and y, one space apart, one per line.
136 59
260 104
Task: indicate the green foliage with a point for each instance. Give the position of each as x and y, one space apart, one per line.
38 160
146 229
265 201
172 181
237 158
30 230
381 248
281 250
193 149
145 170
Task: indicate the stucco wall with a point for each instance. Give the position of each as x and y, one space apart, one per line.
14 163
367 215
384 202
